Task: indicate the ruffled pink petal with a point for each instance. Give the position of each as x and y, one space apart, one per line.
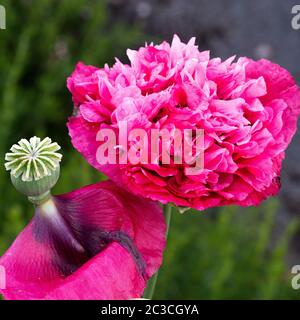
82 83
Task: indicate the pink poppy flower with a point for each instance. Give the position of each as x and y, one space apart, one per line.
97 242
247 109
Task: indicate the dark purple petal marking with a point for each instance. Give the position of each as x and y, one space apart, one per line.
123 239
74 243
68 253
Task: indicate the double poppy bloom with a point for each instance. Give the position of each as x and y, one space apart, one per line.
247 109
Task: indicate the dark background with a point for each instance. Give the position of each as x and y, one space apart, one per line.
223 253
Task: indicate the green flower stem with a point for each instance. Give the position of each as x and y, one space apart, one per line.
149 292
39 200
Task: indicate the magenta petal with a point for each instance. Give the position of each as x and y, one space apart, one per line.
101 243
109 275
109 207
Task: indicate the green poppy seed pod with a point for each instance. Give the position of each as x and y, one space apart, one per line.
34 167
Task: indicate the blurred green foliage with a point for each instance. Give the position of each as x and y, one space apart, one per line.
224 253
227 253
